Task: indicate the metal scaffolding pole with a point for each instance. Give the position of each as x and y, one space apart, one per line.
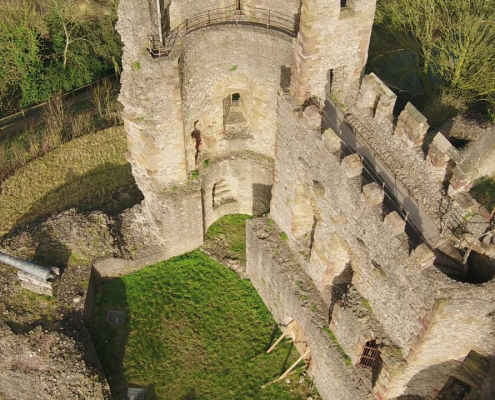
159 16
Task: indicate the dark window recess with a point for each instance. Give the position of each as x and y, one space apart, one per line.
369 355
343 3
238 4
236 97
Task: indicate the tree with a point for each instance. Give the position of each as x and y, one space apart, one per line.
466 53
22 32
72 23
47 46
444 46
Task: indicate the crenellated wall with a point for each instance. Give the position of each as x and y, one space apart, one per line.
434 177
340 233
368 208
375 248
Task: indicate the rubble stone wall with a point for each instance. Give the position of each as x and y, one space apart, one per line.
239 184
416 308
217 62
376 252
338 257
274 273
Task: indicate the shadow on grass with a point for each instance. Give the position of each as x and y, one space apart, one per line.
110 340
285 365
110 188
275 334
191 395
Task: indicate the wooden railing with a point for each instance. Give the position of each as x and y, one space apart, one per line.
230 15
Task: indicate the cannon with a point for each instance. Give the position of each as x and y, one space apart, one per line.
35 278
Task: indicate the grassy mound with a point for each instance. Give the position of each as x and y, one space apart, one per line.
194 330
227 237
89 173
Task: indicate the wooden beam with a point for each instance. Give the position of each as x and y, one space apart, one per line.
306 353
291 373
276 343
290 370
287 331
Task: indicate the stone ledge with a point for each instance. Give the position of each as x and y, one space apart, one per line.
290 293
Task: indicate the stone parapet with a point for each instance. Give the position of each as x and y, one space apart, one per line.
274 273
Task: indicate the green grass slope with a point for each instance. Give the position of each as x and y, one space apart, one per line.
88 173
194 330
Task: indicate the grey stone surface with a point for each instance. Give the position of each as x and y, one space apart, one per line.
197 156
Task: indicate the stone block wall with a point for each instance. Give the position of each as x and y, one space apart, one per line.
424 171
331 48
218 62
416 309
176 105
180 10
286 7
341 209
274 272
150 93
344 260
238 184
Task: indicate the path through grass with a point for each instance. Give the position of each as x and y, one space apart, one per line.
195 330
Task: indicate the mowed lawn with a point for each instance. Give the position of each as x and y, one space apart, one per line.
194 330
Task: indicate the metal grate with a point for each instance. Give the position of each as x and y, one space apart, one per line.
116 317
136 394
369 355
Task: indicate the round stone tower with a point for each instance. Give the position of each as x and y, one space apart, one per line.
200 84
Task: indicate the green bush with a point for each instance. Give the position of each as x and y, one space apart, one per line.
47 46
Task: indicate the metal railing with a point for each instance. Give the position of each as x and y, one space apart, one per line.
229 15
454 222
373 174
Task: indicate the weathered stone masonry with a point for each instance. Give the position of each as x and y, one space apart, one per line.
347 273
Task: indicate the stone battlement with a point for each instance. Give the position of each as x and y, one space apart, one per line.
374 240
433 174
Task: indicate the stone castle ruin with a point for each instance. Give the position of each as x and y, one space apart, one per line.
375 256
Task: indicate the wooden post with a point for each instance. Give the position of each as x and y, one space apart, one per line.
306 353
468 253
276 343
